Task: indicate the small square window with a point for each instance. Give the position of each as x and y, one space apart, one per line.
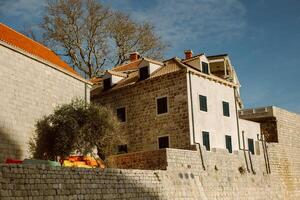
122 148
106 84
205 68
163 142
228 143
162 105
226 111
121 114
203 103
251 145
144 73
205 138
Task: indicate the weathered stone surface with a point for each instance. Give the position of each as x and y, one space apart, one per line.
29 90
143 125
183 179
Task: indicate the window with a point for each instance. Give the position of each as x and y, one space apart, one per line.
122 148
162 105
163 142
106 83
121 114
203 103
205 68
228 143
226 109
144 73
251 145
205 138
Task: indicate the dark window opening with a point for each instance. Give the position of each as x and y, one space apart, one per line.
205 138
251 145
121 114
205 68
122 148
163 142
203 103
106 84
144 73
226 109
228 143
162 105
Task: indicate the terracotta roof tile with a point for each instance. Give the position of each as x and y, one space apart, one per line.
126 67
14 38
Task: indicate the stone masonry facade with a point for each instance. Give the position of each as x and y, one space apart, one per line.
29 90
184 179
283 154
143 126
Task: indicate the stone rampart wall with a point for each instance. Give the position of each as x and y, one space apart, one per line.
184 179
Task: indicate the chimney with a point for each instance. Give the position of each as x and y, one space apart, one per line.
134 56
188 54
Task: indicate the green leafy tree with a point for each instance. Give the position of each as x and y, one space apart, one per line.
79 128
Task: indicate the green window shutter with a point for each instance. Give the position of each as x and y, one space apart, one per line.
205 68
203 103
228 143
226 111
205 138
251 145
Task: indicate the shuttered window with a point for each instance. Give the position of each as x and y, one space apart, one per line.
226 111
228 143
162 105
144 73
205 138
251 145
122 148
106 84
163 142
205 68
203 103
121 114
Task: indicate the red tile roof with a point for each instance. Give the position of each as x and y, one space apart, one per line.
14 38
129 66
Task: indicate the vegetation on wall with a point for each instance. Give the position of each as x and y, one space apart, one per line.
76 128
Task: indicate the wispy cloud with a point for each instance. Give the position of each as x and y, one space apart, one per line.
182 22
23 11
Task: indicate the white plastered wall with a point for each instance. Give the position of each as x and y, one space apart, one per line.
213 120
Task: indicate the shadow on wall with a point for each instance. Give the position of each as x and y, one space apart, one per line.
85 183
9 148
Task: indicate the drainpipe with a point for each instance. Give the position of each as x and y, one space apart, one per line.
193 122
244 149
264 152
264 143
238 130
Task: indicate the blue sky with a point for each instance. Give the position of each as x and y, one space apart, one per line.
262 38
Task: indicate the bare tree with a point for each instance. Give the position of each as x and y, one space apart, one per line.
76 29
90 35
129 36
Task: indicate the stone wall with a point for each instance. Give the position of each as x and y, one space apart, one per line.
282 130
143 126
28 90
183 179
285 155
156 159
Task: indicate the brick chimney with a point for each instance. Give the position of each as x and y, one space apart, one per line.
134 56
188 54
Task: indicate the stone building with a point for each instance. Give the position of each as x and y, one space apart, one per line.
33 80
177 103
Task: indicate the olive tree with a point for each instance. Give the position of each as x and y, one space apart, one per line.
79 128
